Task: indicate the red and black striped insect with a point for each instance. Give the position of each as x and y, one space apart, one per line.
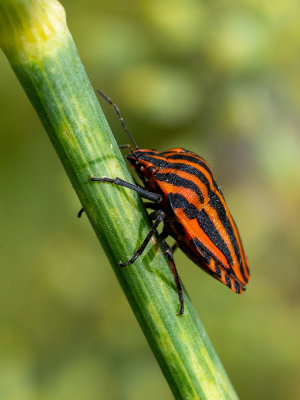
186 198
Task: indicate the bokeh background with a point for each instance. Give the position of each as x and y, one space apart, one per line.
220 78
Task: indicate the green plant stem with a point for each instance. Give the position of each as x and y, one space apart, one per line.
41 51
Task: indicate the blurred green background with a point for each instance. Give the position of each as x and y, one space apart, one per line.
220 78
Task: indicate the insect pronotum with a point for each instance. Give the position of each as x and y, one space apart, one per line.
186 198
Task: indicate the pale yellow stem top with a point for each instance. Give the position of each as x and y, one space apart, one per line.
29 29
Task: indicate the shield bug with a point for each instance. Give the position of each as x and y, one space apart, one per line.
186 198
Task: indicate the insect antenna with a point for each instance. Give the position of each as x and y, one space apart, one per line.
117 111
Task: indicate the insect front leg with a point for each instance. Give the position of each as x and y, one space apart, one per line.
157 198
168 252
117 181
158 216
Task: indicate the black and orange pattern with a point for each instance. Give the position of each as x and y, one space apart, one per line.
197 216
188 201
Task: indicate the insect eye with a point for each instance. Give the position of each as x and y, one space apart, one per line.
151 169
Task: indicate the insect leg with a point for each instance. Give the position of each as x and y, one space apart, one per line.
141 191
165 234
80 212
150 195
174 247
159 216
152 206
169 254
